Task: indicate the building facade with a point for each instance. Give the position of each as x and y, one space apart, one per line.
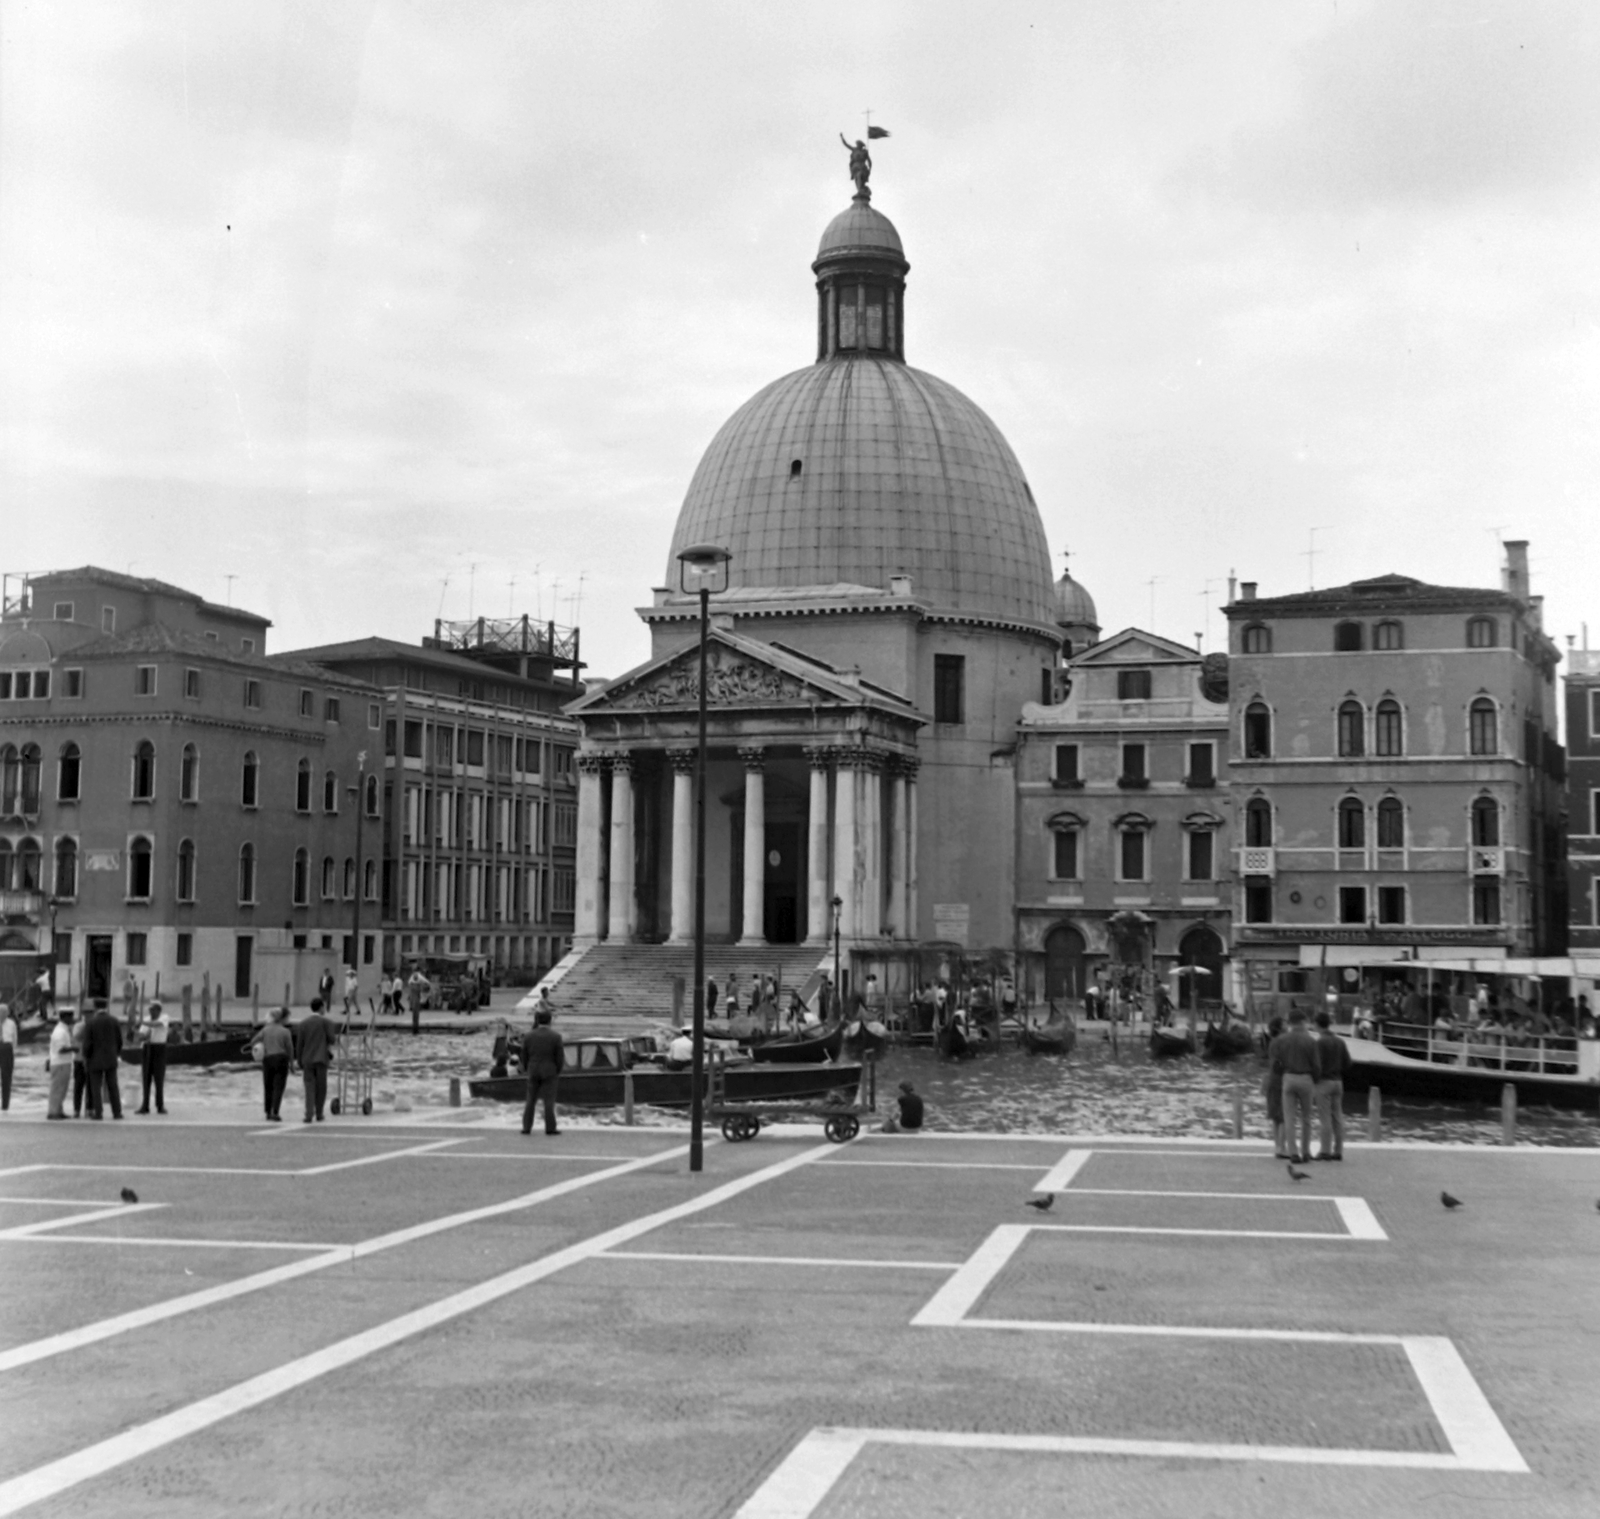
1583 800
176 805
1123 828
475 791
1396 780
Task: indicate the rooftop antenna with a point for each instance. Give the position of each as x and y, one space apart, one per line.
511 598
1205 599
1311 555
1152 582
555 598
444 585
577 600
472 588
230 579
1199 643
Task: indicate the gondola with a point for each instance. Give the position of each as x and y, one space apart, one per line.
952 1042
862 1037
226 1049
1057 1037
1166 1041
799 1050
1227 1040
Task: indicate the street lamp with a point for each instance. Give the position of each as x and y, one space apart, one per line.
54 904
702 569
837 1010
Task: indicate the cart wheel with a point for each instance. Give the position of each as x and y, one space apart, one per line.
366 1106
753 1124
733 1130
839 1130
333 1107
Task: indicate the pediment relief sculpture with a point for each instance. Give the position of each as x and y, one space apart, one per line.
731 681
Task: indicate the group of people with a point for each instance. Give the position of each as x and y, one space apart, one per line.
85 1054
284 1048
1305 1074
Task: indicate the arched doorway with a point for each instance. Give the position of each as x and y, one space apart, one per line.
1201 948
1063 963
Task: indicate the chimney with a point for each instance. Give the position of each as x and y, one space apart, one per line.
899 585
1247 590
1232 588
1514 578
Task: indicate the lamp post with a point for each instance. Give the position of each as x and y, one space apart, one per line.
837 1010
703 568
361 808
55 906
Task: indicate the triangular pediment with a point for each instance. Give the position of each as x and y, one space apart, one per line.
1133 646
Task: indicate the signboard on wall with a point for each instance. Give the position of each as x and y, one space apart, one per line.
102 859
952 922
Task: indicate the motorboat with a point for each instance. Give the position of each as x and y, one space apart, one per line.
1473 1065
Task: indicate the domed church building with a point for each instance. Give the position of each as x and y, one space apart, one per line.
889 608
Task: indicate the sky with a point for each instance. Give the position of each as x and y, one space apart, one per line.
362 314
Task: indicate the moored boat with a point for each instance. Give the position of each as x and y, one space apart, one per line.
862 1037
226 1049
800 1050
1473 1067
1167 1041
1226 1040
1057 1037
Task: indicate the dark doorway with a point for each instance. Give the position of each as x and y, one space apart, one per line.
1063 963
781 916
243 947
1202 949
97 965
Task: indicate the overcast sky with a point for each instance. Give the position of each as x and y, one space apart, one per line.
342 299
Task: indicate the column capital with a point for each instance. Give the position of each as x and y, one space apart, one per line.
622 762
905 765
819 756
850 757
592 764
753 756
681 760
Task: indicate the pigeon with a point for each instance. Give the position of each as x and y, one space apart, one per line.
1449 1201
1042 1203
1297 1175
129 1195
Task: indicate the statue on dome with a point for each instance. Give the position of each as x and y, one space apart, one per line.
860 166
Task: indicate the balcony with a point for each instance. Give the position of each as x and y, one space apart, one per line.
1482 861
22 904
1134 782
1255 860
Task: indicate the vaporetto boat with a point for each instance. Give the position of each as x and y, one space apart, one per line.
1473 1066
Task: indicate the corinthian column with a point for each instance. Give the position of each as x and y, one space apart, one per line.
869 828
621 909
846 852
911 767
817 848
755 846
682 924
591 850
898 873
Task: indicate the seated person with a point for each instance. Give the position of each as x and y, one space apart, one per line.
680 1052
910 1116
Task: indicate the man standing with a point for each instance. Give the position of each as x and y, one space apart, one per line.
314 1040
60 1064
352 992
1334 1058
153 1058
276 1043
8 1055
1294 1052
416 987
542 1058
102 1048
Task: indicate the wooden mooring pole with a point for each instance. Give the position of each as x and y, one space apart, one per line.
1374 1114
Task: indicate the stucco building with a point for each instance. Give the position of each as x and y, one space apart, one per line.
1396 779
1583 800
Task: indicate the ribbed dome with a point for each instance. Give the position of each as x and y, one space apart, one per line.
898 473
858 228
1073 603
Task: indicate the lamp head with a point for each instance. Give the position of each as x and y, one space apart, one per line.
704 567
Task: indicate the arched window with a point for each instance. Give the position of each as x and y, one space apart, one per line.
1388 635
189 775
141 862
1258 823
10 779
302 877
1388 729
372 796
1257 639
349 890
1391 824
31 764
250 780
1352 730
186 871
69 774
1486 822
247 873
1257 731
144 771
330 792
370 886
1483 727
66 867
1347 637
1352 823
1482 633
302 786
7 864
327 877
30 866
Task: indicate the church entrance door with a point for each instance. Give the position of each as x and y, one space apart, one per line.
781 919
1063 963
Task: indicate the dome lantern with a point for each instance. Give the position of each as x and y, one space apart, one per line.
861 286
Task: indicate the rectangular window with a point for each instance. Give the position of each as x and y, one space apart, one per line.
1133 685
1133 763
5 685
413 739
212 636
1391 901
1485 902
191 684
72 683
1352 904
185 949
1132 855
144 680
330 709
1202 854
375 720
444 745
949 677
1065 865
247 646
474 746
1594 713
308 703
138 948
1202 764
1594 812
108 619
1258 899
1067 765
1047 687
63 611
252 694
23 688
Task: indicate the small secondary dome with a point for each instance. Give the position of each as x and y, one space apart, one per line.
859 229
1074 605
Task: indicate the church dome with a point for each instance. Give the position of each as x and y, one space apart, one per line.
1074 605
860 468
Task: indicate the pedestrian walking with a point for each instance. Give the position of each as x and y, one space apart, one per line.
276 1045
153 1058
711 997
1295 1053
543 1058
59 1063
102 1049
416 989
314 1040
352 991
8 1055
1334 1056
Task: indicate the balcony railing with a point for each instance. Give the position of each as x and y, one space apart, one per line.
1254 860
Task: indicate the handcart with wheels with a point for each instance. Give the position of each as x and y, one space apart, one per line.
354 1064
841 1122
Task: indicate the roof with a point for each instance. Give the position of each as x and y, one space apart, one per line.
1390 592
156 638
859 229
358 650
148 586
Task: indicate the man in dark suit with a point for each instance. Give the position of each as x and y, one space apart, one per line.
102 1047
542 1058
313 1047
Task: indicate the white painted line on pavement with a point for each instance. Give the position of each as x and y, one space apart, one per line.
66 1472
1212 1233
1249 1197
805 1476
103 1211
1059 1177
373 1160
206 1244
1358 1218
1474 1431
772 1260
953 1301
938 1165
139 1318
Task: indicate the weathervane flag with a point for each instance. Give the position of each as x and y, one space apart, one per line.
873 132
